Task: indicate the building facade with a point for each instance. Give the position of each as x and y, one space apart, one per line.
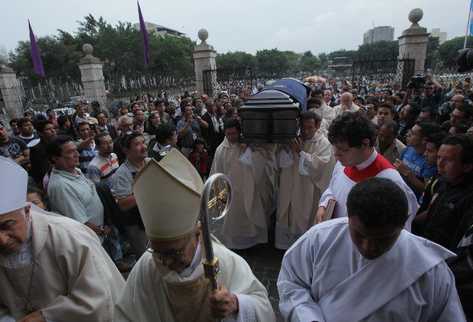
381 33
441 35
159 30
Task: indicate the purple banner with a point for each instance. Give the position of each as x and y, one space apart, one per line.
144 32
35 54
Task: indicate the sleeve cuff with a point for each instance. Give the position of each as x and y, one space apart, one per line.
246 310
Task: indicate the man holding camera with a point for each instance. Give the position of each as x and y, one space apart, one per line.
188 129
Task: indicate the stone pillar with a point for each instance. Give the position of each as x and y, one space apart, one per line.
11 92
91 70
413 42
204 60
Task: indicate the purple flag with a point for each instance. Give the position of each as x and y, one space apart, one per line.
145 35
35 54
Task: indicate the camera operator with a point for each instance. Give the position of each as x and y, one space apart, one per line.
188 129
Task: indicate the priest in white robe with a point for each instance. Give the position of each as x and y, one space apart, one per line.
168 282
305 174
52 268
353 137
253 173
367 267
346 105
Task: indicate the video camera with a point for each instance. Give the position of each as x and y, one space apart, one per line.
465 60
416 82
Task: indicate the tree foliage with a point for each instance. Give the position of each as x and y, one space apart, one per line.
382 50
120 47
448 51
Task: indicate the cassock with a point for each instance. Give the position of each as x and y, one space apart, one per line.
324 278
69 276
302 180
344 178
253 174
155 294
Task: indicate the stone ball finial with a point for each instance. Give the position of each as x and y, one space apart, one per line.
203 35
88 49
416 15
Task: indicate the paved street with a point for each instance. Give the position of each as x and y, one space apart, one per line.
265 262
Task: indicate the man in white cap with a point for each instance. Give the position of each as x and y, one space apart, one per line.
168 282
52 268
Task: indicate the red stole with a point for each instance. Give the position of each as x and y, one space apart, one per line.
379 164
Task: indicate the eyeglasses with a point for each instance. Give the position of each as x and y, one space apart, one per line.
174 254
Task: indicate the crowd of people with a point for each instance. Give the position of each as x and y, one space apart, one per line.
379 181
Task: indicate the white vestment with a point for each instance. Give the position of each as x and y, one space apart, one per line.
340 109
70 276
340 186
253 174
324 278
145 296
327 114
301 183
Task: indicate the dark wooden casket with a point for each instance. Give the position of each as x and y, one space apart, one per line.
270 116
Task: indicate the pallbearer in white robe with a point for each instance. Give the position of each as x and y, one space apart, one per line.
52 268
253 173
168 282
353 137
305 174
367 268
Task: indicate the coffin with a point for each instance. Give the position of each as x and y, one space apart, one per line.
271 116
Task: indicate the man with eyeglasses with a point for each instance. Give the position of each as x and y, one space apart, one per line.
168 282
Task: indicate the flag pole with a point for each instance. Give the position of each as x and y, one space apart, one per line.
468 25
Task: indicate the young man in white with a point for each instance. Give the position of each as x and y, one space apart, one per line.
367 267
353 137
304 175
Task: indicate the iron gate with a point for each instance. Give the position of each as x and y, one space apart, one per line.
230 80
384 71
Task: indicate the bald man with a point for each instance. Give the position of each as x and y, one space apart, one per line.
346 104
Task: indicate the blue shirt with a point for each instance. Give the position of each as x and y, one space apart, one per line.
418 164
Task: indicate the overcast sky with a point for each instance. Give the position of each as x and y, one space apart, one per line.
240 25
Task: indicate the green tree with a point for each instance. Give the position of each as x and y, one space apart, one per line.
273 63
381 50
309 62
119 46
448 51
236 61
323 58
432 59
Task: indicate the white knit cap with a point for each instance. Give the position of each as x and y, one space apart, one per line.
13 186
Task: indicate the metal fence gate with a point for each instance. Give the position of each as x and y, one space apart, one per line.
383 71
231 80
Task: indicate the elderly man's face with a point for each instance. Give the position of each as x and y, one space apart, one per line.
13 230
177 254
450 164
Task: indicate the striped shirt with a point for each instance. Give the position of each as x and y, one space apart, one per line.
101 169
